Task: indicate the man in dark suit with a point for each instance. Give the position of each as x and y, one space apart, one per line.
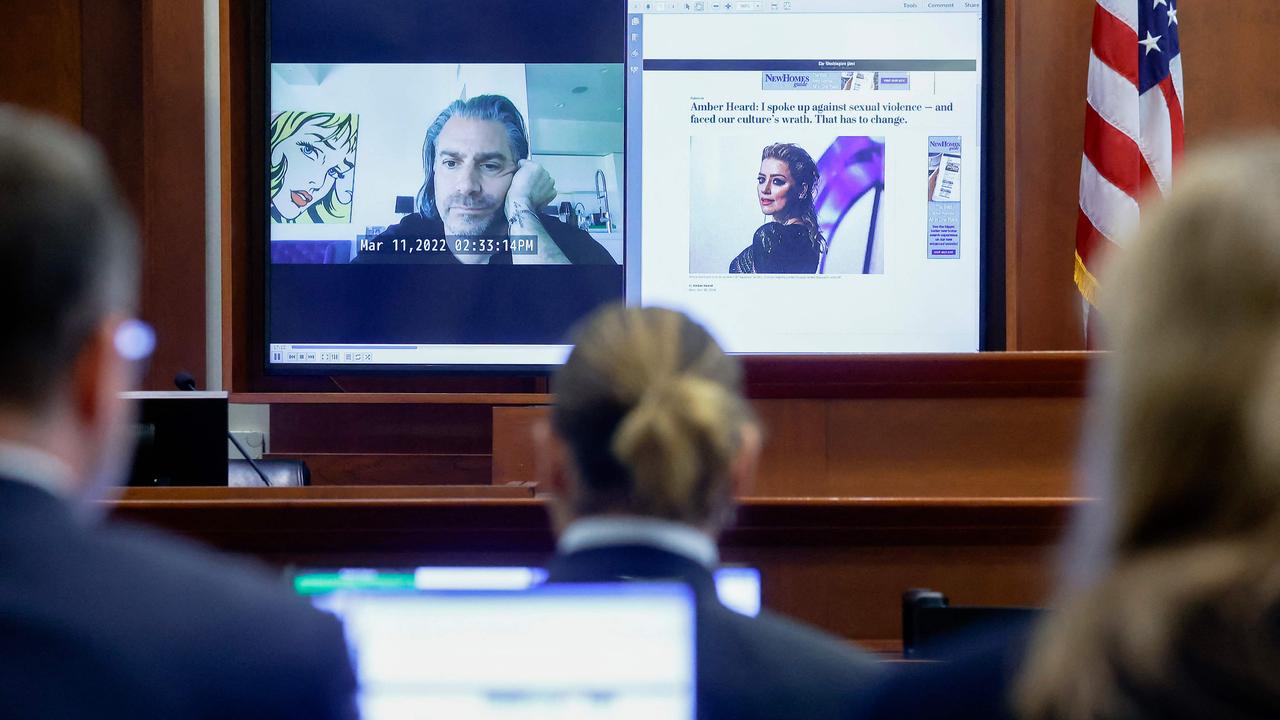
649 437
748 667
107 622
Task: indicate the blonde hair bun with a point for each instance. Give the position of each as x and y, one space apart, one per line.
673 440
653 413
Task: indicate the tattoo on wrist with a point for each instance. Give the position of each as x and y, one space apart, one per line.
520 210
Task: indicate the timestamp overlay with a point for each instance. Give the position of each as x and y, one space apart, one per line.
457 245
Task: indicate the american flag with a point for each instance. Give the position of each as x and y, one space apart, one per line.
1133 126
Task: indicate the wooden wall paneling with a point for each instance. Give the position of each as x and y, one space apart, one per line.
1012 10
1002 374
40 51
856 591
351 527
173 230
239 82
112 71
945 447
441 429
355 444
795 460
1050 45
841 565
796 435
954 428
131 72
904 426
339 532
513 450
1230 57
355 469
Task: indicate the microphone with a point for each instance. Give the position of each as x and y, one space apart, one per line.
184 381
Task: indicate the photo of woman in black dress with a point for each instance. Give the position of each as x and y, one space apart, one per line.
791 241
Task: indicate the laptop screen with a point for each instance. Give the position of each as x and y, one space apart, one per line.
738 587
622 650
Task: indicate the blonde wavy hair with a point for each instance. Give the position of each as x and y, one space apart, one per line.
1187 583
652 412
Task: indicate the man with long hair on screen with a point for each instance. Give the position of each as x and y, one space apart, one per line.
481 196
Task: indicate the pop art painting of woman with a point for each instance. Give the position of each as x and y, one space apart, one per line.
313 161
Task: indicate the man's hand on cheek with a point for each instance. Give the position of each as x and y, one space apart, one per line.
531 188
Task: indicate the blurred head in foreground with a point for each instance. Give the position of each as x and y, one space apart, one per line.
649 420
1180 613
69 286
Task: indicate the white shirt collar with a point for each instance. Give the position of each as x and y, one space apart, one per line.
38 468
612 530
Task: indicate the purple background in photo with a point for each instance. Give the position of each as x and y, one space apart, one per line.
850 167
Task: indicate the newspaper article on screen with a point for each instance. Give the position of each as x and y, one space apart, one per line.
808 181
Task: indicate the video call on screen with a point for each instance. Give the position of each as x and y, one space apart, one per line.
456 184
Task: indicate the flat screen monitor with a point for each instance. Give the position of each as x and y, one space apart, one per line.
604 652
181 438
738 587
453 185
